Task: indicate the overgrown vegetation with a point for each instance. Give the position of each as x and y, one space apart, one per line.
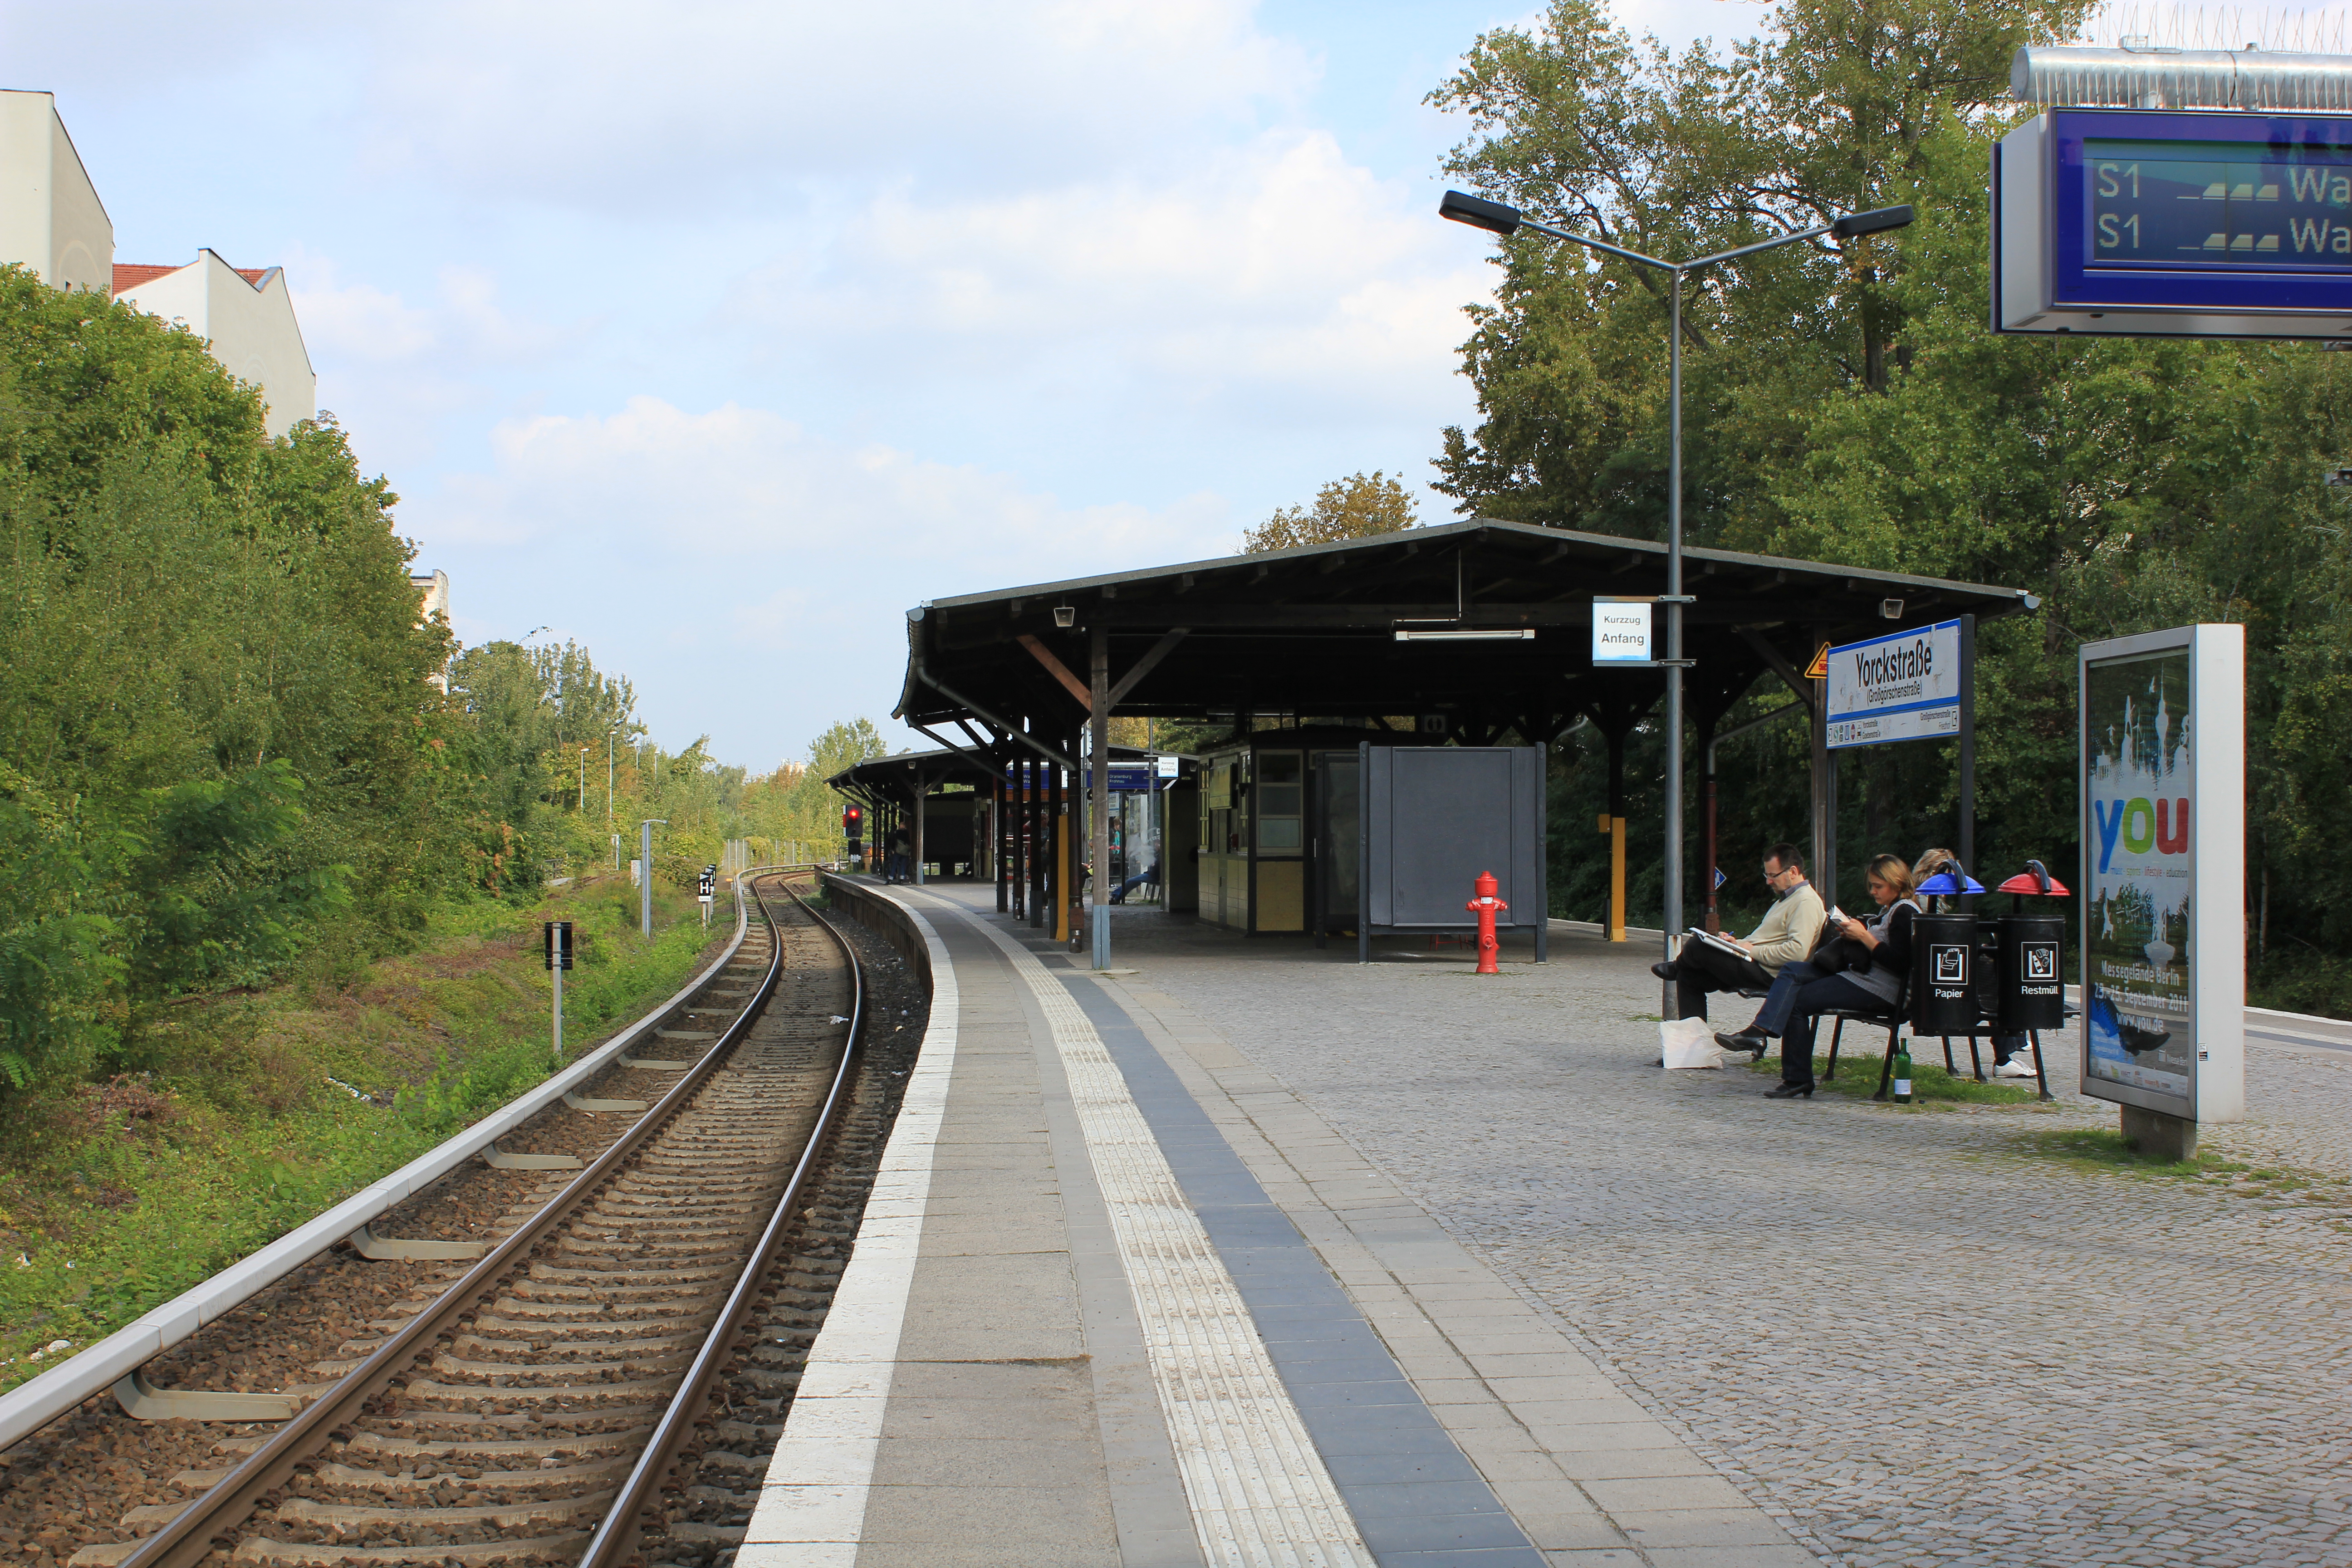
266 1107
1844 402
266 834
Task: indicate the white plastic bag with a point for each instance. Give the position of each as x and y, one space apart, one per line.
1688 1042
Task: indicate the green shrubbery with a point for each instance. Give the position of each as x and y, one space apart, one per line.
240 1117
1844 402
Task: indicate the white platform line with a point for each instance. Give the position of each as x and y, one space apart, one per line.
1260 1494
812 1507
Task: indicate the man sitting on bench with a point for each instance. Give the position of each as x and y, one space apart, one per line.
1785 934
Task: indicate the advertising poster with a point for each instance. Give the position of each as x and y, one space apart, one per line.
2139 793
1904 686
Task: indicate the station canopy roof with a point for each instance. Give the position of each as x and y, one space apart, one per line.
1313 632
903 776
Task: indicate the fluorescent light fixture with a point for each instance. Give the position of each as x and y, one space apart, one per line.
1458 634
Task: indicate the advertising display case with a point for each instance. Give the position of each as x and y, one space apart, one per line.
2163 877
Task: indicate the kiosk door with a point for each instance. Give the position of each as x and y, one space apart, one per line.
1337 841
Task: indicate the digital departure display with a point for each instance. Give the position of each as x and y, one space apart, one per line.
2203 204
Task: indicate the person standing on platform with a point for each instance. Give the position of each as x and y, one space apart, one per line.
1783 936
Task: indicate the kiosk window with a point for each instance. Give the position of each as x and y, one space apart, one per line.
1277 797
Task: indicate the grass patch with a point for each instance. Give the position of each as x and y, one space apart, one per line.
1931 1086
2097 1149
243 1116
2102 1150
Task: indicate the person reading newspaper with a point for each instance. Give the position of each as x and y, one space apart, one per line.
1786 934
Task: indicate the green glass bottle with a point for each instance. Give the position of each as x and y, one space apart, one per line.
1903 1073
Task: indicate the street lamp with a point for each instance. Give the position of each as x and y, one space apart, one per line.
1497 218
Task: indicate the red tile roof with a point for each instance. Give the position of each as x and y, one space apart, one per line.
130 275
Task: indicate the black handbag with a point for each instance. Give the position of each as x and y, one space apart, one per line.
1838 954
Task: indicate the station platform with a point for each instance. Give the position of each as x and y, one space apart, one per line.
1122 1297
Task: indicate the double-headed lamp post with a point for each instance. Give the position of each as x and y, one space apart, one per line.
1497 218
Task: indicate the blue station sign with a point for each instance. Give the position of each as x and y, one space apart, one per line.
2175 222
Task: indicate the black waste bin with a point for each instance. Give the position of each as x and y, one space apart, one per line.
1987 959
2032 994
1943 975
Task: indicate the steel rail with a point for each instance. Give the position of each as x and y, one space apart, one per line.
616 1532
33 1404
189 1537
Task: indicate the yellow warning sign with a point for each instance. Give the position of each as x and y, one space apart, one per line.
1820 669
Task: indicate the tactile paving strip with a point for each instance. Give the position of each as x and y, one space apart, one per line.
1260 1494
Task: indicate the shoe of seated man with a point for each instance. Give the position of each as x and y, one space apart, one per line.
2016 1067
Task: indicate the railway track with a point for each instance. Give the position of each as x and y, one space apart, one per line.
537 1408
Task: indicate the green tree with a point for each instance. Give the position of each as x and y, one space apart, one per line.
1848 403
1362 505
214 717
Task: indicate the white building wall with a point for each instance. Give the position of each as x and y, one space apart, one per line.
250 328
432 595
51 220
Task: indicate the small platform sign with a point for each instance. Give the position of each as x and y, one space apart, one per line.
1620 631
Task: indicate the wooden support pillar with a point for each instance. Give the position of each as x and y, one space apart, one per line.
1706 864
1036 843
1058 863
1613 823
1098 801
1001 864
915 870
1824 783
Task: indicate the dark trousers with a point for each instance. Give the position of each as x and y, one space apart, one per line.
1772 1017
1701 969
1807 1003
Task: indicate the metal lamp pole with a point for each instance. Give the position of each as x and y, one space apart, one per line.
1497 218
645 873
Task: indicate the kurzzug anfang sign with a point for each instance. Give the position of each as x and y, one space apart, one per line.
2164 871
1900 687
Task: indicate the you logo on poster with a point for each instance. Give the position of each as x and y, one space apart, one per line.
2143 824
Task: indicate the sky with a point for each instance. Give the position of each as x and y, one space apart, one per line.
716 336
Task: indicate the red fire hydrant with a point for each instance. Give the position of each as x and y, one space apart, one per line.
1485 906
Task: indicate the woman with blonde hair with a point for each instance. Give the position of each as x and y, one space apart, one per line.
1865 969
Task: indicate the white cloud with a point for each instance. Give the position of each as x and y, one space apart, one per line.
1276 266
748 486
729 557
394 371
615 106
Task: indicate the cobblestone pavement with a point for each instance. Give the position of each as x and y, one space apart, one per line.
1908 1330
